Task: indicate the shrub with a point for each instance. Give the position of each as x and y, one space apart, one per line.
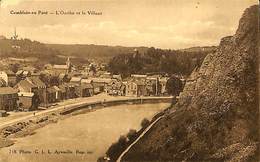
117 148
131 135
145 123
122 141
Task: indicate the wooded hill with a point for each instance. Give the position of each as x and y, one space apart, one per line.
122 60
178 62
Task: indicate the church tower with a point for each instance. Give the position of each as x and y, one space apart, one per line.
69 66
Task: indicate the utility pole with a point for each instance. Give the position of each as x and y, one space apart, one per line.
15 35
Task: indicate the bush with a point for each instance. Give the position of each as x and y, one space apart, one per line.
145 123
131 135
122 140
117 148
174 86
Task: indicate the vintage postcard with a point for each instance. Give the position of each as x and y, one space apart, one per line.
129 81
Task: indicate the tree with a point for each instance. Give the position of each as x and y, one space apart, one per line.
117 148
14 67
145 123
93 68
131 135
174 86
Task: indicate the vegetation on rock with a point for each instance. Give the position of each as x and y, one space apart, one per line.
216 117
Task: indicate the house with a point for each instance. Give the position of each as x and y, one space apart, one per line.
8 99
67 68
51 95
63 92
22 74
116 88
58 93
118 77
3 113
152 85
27 101
135 88
106 75
62 77
86 81
12 79
99 84
36 74
76 80
84 90
33 85
163 82
3 83
70 90
138 77
9 77
58 69
30 69
89 89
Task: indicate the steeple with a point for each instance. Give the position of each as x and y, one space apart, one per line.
15 36
68 63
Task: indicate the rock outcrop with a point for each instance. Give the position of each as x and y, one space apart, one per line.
216 118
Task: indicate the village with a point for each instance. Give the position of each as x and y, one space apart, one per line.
30 89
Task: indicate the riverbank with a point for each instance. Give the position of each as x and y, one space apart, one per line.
91 132
28 124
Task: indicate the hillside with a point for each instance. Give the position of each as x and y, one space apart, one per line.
25 48
199 49
158 61
119 57
216 117
91 51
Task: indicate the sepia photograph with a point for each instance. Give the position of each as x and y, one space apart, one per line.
129 81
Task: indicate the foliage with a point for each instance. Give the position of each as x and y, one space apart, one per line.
49 80
117 148
174 86
131 135
14 67
145 123
98 52
157 60
29 49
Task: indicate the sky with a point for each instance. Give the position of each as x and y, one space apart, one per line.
168 24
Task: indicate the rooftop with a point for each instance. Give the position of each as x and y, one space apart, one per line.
65 67
7 90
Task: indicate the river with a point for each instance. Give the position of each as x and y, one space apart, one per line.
80 138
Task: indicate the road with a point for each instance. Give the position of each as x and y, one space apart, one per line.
144 132
68 104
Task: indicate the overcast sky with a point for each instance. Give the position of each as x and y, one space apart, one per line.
170 24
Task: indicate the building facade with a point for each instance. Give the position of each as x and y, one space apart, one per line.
8 99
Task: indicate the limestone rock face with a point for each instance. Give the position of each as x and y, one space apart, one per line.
217 114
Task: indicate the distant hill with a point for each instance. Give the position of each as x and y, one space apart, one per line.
91 51
82 53
25 48
200 49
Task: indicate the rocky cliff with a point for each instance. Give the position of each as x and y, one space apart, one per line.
216 118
